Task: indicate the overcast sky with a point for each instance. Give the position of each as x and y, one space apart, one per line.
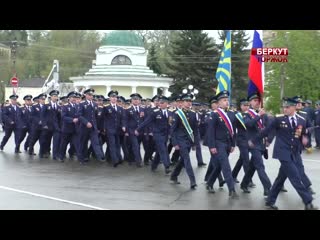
211 33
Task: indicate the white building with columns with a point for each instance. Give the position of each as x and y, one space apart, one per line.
121 64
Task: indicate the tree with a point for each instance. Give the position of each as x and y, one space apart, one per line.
194 61
300 73
153 61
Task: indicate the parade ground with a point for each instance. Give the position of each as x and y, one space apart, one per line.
30 183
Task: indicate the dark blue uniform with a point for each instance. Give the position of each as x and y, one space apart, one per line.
287 149
242 143
205 143
52 127
220 137
317 130
181 138
87 114
10 119
37 132
68 128
112 126
256 163
198 145
309 123
132 120
24 127
159 123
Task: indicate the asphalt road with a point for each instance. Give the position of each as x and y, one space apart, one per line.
28 183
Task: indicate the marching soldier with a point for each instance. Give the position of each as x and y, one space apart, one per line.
69 116
10 115
241 140
304 115
37 120
214 105
183 128
221 142
290 132
112 125
255 121
88 128
133 117
52 125
24 123
159 120
124 142
317 124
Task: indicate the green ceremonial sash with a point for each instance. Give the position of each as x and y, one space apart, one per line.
185 123
240 118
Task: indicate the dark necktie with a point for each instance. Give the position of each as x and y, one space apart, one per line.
293 123
165 113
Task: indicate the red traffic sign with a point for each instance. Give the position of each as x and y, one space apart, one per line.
14 81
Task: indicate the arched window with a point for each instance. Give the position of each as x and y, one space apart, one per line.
121 60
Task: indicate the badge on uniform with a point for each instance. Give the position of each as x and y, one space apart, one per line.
85 106
141 114
130 112
49 107
69 109
158 117
99 113
9 109
110 111
38 109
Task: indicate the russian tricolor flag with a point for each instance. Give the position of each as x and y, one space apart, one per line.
256 68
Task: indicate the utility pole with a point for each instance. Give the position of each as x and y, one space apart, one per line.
14 46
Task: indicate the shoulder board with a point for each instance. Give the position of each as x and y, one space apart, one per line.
156 110
65 104
215 111
279 115
142 106
192 111
171 110
34 104
303 112
100 106
300 116
21 106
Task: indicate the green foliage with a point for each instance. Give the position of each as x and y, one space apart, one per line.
193 61
75 50
301 71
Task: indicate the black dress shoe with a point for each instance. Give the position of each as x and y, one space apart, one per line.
283 190
202 164
251 185
146 163
222 183
245 189
17 151
311 191
236 180
167 171
1 148
32 154
233 194
193 186
60 160
174 180
139 165
115 165
266 192
210 189
310 206
271 206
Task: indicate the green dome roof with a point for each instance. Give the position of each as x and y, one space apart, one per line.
122 38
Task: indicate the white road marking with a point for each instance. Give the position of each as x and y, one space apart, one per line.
52 198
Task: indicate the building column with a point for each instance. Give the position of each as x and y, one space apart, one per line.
108 89
165 91
154 91
133 89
